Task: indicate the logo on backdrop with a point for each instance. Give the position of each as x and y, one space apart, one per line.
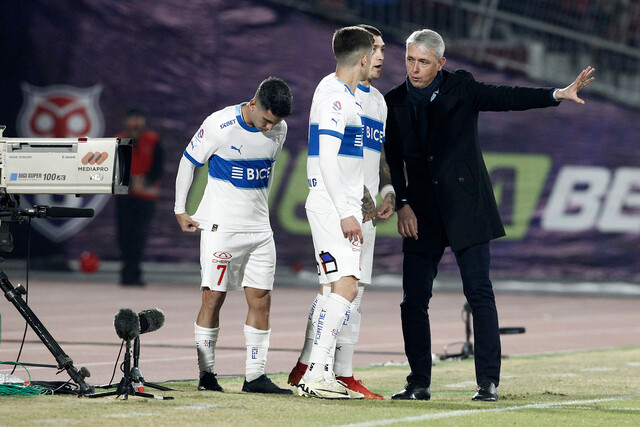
61 111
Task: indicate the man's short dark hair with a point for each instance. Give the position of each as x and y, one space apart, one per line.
373 30
134 111
350 43
274 95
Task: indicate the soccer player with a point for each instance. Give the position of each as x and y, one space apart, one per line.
376 175
240 144
336 182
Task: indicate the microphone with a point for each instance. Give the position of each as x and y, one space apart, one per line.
151 320
127 324
58 212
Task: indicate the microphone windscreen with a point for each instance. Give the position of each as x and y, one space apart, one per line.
127 324
151 320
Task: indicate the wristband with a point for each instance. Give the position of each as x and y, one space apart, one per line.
386 190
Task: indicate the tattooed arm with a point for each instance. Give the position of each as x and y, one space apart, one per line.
368 206
386 191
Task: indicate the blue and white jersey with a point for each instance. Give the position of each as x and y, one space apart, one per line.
374 117
240 159
335 112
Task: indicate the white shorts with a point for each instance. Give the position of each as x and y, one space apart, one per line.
231 261
336 256
366 259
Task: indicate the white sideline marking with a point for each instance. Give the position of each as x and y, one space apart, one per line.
602 369
129 415
463 384
610 408
197 407
451 414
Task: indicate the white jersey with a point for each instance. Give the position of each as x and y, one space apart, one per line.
240 160
374 117
335 112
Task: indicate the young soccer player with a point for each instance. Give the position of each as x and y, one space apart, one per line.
240 144
336 181
376 176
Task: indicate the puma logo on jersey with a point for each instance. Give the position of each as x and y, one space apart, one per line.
237 149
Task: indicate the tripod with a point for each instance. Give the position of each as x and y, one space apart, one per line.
467 347
64 362
132 383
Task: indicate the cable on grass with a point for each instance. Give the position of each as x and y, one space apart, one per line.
21 389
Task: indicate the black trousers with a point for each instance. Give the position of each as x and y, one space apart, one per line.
419 270
134 217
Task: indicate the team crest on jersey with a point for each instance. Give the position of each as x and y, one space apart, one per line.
337 106
61 111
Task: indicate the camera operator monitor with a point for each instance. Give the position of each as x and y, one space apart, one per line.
65 165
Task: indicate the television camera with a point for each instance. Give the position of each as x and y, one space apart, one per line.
79 166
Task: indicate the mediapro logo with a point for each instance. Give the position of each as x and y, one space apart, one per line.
96 158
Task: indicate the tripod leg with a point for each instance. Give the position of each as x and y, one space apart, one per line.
157 386
136 374
151 396
64 362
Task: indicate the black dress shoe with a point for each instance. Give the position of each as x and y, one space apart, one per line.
486 393
413 392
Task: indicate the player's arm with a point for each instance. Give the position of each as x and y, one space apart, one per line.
328 161
184 178
368 206
387 193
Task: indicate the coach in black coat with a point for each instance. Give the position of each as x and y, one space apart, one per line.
446 198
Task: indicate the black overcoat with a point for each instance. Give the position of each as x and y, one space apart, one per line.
447 184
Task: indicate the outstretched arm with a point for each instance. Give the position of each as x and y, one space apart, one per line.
571 92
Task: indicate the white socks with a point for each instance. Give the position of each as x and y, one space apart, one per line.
257 347
206 339
312 322
330 320
257 342
347 338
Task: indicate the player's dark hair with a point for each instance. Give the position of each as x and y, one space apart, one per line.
350 43
274 95
373 30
